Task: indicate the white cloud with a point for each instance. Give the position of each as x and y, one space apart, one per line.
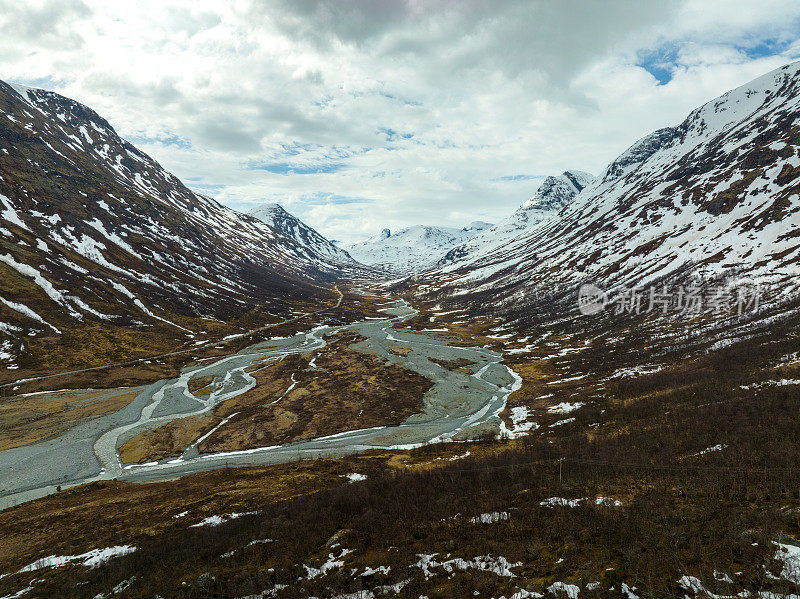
365 114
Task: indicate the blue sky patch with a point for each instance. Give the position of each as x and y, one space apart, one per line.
517 178
660 63
325 197
767 47
169 139
392 135
399 99
286 168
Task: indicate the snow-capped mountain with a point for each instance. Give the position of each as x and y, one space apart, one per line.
413 249
313 245
552 195
717 193
92 230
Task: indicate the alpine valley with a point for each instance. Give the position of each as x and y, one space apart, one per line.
595 397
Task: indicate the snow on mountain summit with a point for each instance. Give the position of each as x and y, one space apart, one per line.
478 225
413 249
556 192
421 248
552 195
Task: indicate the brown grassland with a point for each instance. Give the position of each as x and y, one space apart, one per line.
38 417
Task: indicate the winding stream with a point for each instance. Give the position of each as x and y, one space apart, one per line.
460 405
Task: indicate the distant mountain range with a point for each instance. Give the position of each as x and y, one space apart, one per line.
552 195
419 249
413 249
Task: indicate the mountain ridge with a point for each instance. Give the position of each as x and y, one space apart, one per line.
318 246
717 192
552 195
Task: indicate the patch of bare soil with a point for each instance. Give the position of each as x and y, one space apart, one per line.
200 385
399 350
458 365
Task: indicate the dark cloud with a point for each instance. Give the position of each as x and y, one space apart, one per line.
512 36
350 21
225 132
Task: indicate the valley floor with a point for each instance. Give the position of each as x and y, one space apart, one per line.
279 400
623 466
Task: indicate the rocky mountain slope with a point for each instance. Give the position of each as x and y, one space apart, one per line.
413 249
716 194
94 233
550 198
312 246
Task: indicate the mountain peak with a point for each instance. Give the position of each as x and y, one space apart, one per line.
556 192
22 90
75 198
478 225
269 210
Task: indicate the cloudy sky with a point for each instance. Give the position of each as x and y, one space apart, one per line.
357 115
